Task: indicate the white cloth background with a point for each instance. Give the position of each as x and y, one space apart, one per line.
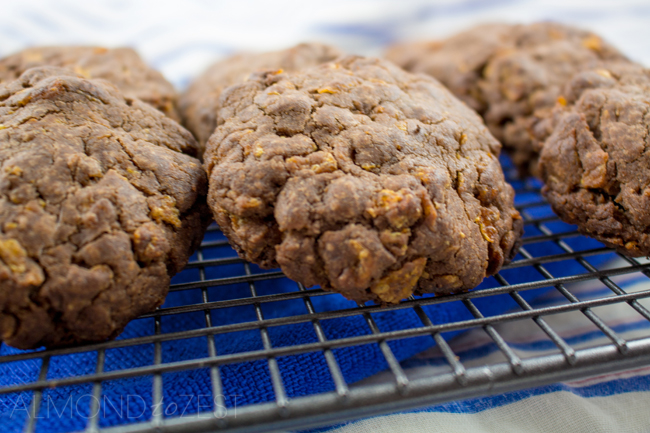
561 412
182 37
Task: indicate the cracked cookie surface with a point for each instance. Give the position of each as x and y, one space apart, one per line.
512 75
121 66
100 204
362 178
199 105
596 163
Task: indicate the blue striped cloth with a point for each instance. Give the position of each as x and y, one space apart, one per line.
614 402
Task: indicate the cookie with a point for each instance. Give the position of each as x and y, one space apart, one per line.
596 164
457 62
101 203
361 178
200 104
511 74
121 66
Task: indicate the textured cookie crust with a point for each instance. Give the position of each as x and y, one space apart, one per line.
512 74
363 178
596 164
199 105
100 204
121 66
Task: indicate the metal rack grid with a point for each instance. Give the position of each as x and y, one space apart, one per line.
349 401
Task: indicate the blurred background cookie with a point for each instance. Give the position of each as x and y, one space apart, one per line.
200 103
512 75
121 66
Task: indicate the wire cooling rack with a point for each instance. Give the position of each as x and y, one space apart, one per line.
353 400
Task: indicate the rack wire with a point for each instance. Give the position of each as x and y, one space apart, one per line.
346 400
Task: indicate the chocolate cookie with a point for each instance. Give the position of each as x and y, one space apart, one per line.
362 178
100 204
199 105
457 62
511 74
596 163
121 66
